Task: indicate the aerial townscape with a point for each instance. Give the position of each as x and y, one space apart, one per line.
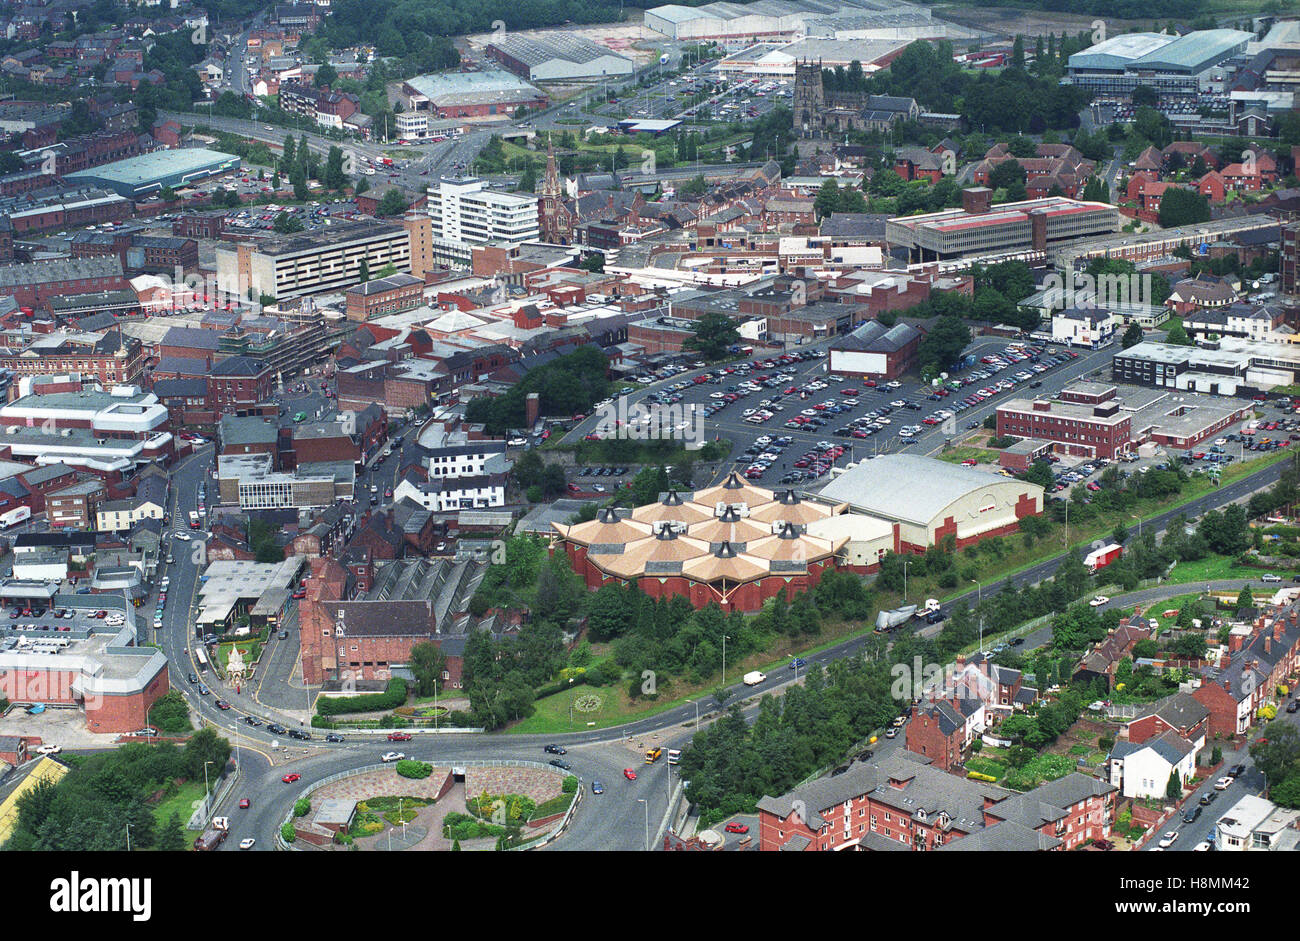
772 426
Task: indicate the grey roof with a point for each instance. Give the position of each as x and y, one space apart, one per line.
875 337
194 338
911 488
1181 710
1007 836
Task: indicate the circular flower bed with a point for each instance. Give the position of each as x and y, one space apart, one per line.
587 702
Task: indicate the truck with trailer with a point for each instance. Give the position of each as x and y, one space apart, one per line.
1100 558
754 678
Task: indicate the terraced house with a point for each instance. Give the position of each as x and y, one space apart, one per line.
902 802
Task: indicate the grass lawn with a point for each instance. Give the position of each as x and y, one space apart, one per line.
1210 570
981 765
250 650
182 803
967 453
1157 609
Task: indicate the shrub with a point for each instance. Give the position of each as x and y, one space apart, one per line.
287 833
408 768
301 807
1105 743
570 784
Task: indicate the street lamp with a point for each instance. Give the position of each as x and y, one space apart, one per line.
1139 519
128 838
571 703
697 711
642 800
724 659
906 563
979 592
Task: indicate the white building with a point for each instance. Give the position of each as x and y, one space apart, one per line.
441 495
1254 823
1142 769
466 213
1084 326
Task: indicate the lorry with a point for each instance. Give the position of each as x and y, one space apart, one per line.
653 755
210 838
886 621
754 678
15 516
1100 558
931 613
674 755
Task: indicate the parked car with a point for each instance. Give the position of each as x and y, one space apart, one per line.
391 756
333 737
561 764
245 803
1168 839
1223 783
736 828
555 750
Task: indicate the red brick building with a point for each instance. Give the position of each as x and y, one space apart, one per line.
238 384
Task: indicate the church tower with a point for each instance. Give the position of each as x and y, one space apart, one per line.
809 99
552 218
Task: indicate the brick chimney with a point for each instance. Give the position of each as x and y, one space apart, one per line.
1278 626
1234 643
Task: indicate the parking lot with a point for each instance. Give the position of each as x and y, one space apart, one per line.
720 99
314 215
789 435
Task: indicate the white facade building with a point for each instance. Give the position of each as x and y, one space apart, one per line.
466 213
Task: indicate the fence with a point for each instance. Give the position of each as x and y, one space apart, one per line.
203 813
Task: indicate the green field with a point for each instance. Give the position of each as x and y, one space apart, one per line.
967 453
182 803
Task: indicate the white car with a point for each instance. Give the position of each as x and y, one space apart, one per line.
1270 578
1099 601
1201 847
183 537
49 749
1223 783
1168 839
247 843
392 756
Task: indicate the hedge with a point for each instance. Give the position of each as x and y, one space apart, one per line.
408 768
390 698
556 805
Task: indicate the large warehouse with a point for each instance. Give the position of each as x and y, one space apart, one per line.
734 544
469 94
558 57
875 351
732 23
1172 65
148 173
928 500
777 60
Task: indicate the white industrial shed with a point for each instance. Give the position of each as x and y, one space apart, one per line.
558 57
928 500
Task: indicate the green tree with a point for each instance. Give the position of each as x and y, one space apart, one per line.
335 179
1132 336
1174 787
171 839
714 334
944 344
1179 206
1177 335
286 223
392 203
427 664
364 273
326 76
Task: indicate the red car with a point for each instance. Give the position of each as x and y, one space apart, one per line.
300 593
290 778
736 828
245 803
629 774
399 736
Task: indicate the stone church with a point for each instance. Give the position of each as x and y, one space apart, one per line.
819 113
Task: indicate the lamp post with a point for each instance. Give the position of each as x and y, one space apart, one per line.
724 660
697 711
906 563
1139 519
979 592
794 662
642 800
128 838
571 702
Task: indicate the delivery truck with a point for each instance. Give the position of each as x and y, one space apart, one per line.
754 678
887 621
1100 558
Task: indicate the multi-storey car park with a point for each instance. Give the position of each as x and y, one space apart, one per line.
979 228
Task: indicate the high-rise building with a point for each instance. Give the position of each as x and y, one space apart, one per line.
465 213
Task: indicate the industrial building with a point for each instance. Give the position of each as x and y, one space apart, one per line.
1172 65
979 228
103 671
776 20
315 262
469 94
557 57
465 213
925 500
1090 419
875 351
1228 366
734 544
777 60
147 174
